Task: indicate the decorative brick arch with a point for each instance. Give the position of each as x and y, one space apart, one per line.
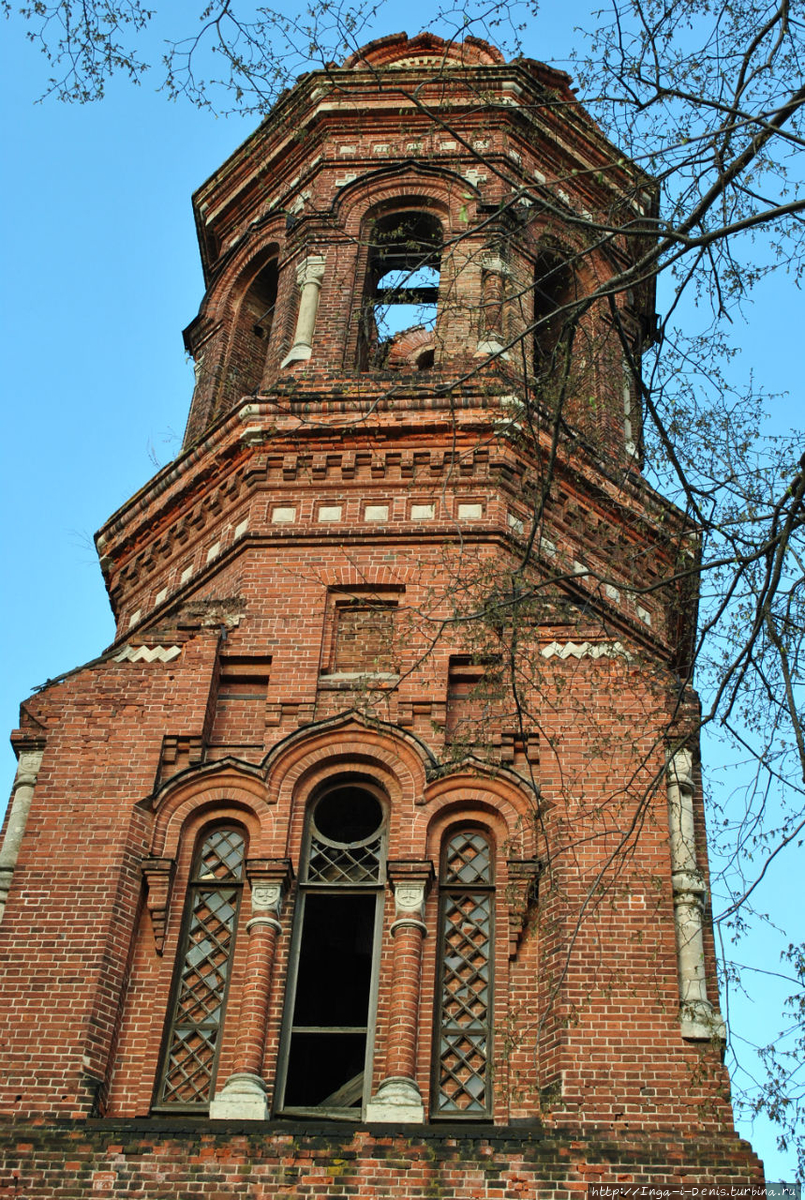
493 798
224 790
304 763
403 186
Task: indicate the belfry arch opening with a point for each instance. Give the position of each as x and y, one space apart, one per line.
555 292
251 336
401 290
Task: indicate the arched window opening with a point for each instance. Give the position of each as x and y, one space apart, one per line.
328 1039
402 285
252 333
193 1040
464 989
555 290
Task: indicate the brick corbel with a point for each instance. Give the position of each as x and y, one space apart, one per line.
521 891
158 874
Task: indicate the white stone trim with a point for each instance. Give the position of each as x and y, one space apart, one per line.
23 794
149 654
699 1020
586 650
242 1098
397 1100
309 276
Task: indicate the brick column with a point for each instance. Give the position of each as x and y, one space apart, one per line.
243 1096
398 1097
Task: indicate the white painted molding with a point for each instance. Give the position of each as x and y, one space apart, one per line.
309 276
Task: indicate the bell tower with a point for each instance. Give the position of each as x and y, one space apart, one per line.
378 830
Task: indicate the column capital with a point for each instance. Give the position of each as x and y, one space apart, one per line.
410 880
310 270
269 880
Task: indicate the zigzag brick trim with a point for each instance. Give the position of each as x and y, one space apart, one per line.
148 654
586 650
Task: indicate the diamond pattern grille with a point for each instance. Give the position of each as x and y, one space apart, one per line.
198 1013
344 864
468 859
221 856
465 1002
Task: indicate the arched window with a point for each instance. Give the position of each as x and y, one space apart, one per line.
464 988
554 293
401 292
251 335
193 1038
330 1004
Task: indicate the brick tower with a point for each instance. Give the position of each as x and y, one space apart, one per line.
369 860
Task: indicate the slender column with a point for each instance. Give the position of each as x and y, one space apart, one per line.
698 1019
309 276
493 288
243 1096
398 1097
22 795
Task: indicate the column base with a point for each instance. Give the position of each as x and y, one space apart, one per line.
398 1100
487 348
700 1022
300 353
242 1098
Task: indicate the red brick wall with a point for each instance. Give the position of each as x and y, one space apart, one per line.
224 567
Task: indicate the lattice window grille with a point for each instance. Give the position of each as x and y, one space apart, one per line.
333 863
465 1005
194 1037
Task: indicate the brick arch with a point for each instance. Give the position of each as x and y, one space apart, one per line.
395 47
210 794
395 761
210 336
487 797
349 576
237 273
400 187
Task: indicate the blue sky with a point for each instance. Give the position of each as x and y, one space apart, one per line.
101 275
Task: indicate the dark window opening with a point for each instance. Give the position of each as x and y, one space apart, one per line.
348 815
331 1015
252 331
554 294
328 1038
402 286
193 1040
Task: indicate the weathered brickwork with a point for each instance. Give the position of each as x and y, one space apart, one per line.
438 611
511 1164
